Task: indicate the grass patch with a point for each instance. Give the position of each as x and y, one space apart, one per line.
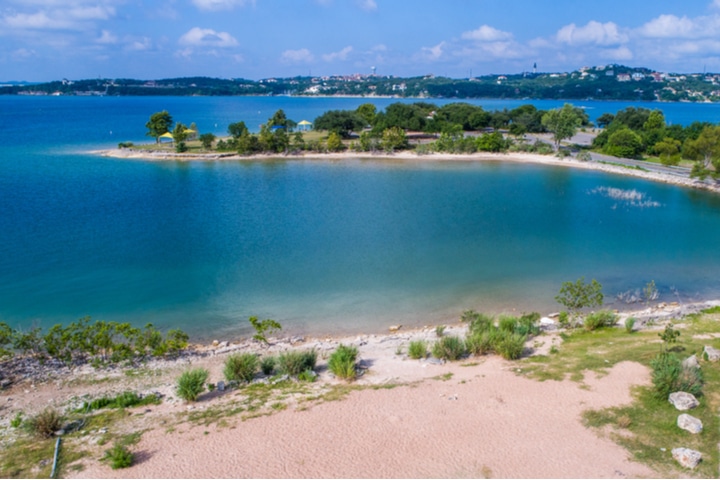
191 384
649 424
124 400
342 362
241 367
295 362
417 349
449 348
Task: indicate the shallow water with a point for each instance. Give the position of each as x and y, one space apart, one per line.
320 246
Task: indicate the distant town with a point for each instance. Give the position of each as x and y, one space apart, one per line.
606 82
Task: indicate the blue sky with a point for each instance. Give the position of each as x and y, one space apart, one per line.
44 40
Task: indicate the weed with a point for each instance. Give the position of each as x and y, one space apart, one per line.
507 323
417 349
481 342
510 345
670 376
440 330
45 423
240 367
629 324
601 319
342 362
124 400
17 420
119 457
267 365
295 362
307 376
477 322
449 348
191 384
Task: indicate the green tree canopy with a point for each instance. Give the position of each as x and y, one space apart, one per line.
562 123
705 149
367 112
237 129
159 124
624 143
341 122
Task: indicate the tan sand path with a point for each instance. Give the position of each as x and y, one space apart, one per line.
501 425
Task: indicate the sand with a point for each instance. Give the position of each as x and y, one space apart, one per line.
479 417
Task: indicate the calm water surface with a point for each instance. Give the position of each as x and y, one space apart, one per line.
320 246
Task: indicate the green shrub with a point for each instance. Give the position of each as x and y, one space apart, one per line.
119 457
417 349
629 324
507 323
449 348
124 400
477 322
670 376
564 318
295 362
267 365
481 343
510 345
307 376
191 384
601 319
440 330
45 423
241 367
17 420
342 362
527 324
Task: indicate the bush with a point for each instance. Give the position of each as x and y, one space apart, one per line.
670 376
449 348
294 363
267 365
527 324
440 330
481 343
342 362
417 349
629 324
477 322
601 319
241 367
507 323
191 384
119 457
510 345
124 400
45 423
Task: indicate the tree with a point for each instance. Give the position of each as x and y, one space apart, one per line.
341 122
367 112
624 143
656 120
237 129
263 327
394 138
334 142
604 120
578 295
562 123
706 150
159 124
668 150
207 140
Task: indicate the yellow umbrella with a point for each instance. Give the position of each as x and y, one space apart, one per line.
166 135
304 123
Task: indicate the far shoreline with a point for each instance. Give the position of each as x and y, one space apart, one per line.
406 156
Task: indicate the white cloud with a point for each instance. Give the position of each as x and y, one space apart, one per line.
669 26
433 53
76 18
487 33
139 45
107 37
368 5
619 54
23 53
302 55
594 33
207 37
341 55
215 5
715 4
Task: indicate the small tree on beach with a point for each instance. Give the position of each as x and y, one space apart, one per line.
578 295
159 124
562 123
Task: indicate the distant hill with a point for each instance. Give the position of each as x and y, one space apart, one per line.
609 82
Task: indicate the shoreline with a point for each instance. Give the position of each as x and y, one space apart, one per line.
422 418
404 156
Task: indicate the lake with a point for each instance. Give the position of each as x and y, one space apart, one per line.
320 246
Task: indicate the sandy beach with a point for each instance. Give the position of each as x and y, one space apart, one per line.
406 156
404 418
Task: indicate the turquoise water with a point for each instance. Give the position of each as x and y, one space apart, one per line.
320 246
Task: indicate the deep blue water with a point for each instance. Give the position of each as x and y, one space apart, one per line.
348 246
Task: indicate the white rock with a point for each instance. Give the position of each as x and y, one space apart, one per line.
691 362
712 354
689 423
547 321
683 400
686 457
